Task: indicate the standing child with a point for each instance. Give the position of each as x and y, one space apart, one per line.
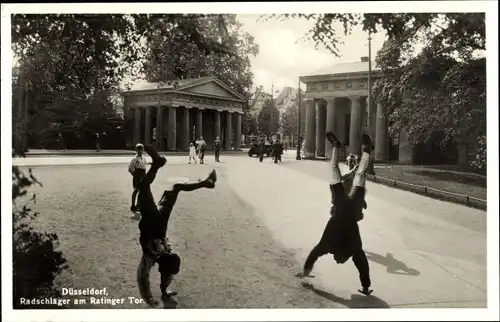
137 168
192 153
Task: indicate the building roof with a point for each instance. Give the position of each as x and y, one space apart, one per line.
345 68
182 84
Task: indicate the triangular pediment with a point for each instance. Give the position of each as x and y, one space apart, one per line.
211 86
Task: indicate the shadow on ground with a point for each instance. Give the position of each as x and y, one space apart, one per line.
356 301
393 265
169 302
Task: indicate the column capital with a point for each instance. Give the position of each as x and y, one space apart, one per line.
355 97
175 105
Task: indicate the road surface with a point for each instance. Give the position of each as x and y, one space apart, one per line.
243 242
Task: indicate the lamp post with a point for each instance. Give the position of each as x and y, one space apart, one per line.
370 105
298 125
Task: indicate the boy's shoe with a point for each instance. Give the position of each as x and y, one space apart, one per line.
332 139
211 179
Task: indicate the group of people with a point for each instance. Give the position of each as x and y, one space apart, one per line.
276 150
341 236
153 225
198 148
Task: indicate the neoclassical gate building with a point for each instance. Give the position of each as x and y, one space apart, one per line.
173 116
336 101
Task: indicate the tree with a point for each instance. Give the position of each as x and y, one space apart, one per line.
268 119
36 260
290 116
170 58
439 86
72 64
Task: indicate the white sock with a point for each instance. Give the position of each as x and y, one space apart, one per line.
336 175
360 177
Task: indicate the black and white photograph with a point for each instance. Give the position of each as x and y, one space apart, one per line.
305 156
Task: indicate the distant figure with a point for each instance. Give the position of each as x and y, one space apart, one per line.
217 147
165 141
137 168
192 153
277 151
201 145
262 149
98 142
60 142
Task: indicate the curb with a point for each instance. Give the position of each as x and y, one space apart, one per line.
465 200
430 192
118 153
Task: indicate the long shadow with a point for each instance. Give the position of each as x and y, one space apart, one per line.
355 302
393 265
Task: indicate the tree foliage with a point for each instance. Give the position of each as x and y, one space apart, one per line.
268 119
430 77
173 56
290 116
36 260
72 64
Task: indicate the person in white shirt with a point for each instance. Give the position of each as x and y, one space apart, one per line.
137 168
192 153
201 146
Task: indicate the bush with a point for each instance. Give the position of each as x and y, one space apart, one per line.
479 163
36 262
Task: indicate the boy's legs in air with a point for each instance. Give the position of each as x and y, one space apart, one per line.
169 262
357 201
358 191
339 196
148 212
146 198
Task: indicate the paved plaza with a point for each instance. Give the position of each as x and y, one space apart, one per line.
242 243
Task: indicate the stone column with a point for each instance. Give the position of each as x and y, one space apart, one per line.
237 131
310 147
217 124
172 129
137 125
185 129
381 136
320 128
228 132
159 128
147 126
331 125
199 123
356 126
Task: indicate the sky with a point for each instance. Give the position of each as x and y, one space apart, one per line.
284 56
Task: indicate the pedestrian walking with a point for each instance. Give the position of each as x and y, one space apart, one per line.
217 148
201 146
98 142
262 149
60 142
192 153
